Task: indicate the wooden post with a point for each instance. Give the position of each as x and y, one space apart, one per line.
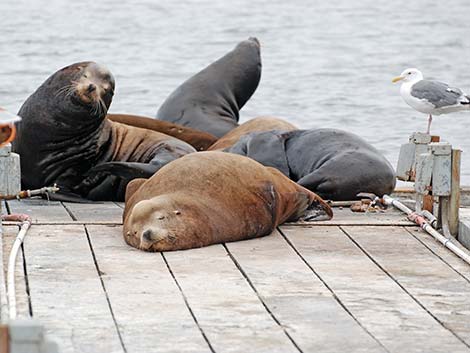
454 200
4 339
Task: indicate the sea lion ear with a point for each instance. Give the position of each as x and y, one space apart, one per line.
133 186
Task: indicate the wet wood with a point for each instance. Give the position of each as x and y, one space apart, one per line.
384 308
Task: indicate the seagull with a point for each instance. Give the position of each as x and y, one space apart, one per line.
430 97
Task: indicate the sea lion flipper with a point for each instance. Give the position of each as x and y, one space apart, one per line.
267 148
133 186
211 99
66 197
125 170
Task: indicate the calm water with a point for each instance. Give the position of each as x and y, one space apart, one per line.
325 64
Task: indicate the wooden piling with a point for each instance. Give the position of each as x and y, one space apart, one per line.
454 200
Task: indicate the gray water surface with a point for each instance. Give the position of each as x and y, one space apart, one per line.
325 63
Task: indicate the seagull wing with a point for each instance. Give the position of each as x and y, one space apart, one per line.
439 94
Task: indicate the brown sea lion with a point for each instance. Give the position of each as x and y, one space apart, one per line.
211 99
262 123
213 197
200 140
64 135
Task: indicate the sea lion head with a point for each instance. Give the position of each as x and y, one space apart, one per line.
153 224
88 85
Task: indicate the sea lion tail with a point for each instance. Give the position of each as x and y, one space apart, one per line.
311 207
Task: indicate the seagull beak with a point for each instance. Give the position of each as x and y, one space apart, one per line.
398 78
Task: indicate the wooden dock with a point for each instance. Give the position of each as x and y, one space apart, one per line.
358 283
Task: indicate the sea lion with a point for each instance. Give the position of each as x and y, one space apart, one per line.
64 135
335 164
210 100
262 123
200 140
217 197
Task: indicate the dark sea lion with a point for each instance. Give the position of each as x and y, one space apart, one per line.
216 197
200 140
262 123
210 100
64 134
335 164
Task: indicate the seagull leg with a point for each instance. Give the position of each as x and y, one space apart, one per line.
429 124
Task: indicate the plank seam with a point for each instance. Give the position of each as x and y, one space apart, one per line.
338 300
118 205
440 257
121 340
250 283
402 287
25 272
186 302
69 212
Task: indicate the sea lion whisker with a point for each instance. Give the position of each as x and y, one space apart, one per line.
64 89
102 105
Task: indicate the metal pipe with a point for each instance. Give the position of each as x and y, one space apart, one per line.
430 217
421 221
25 224
30 193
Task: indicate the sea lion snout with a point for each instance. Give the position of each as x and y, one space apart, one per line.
95 86
151 236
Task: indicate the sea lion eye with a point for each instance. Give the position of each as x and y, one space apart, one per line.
85 75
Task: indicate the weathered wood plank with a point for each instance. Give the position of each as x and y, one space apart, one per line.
298 299
103 211
444 293
378 303
147 304
22 299
344 216
66 292
441 251
227 309
40 210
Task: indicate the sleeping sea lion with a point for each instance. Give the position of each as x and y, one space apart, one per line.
335 164
216 197
262 123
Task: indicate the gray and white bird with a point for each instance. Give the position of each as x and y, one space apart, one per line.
430 97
